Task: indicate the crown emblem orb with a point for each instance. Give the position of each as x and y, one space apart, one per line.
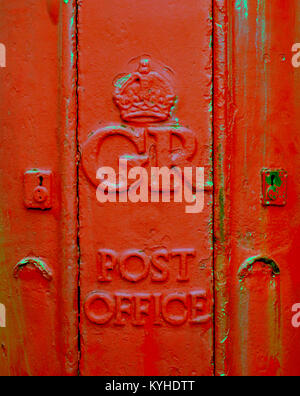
144 96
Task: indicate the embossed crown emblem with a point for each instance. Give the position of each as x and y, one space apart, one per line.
144 96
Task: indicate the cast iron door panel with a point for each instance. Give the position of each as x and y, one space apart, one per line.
145 97
38 213
257 249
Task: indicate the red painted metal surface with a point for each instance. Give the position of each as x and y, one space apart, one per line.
155 288
257 247
38 252
146 268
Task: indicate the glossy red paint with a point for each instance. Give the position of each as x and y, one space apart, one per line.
256 127
147 289
38 252
53 9
142 313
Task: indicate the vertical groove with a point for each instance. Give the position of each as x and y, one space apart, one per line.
221 141
77 185
67 147
213 170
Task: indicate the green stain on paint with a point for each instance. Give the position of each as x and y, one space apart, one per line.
242 5
128 157
263 59
210 108
177 124
38 263
225 339
222 213
265 55
248 266
174 107
122 81
263 25
221 195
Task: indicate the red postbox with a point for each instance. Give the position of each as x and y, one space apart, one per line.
115 275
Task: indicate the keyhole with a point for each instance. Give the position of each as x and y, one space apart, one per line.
41 180
272 180
272 191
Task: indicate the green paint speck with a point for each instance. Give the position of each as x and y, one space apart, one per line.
122 81
242 5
